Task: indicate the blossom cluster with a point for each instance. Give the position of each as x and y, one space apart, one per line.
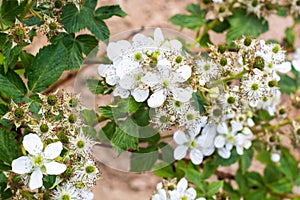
231 87
170 190
55 144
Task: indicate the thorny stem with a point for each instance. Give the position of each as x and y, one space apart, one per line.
36 14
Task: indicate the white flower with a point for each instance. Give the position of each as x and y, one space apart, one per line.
197 145
166 81
226 138
182 191
275 157
38 162
296 60
86 195
67 191
206 70
161 193
242 140
82 144
87 174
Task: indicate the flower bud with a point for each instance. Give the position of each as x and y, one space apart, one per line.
51 100
19 113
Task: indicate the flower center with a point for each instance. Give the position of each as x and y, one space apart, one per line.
19 113
137 56
206 67
231 100
166 83
184 198
178 59
65 197
272 83
80 144
247 41
177 104
254 86
73 102
90 169
193 144
217 112
44 128
258 63
38 161
190 116
223 61
163 119
275 49
265 99
52 26
72 118
51 100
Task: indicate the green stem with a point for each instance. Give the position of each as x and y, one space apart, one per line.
36 14
205 31
167 136
233 77
27 9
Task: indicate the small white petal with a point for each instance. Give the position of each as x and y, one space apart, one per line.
180 152
33 144
184 73
156 99
180 137
236 127
119 91
208 151
55 168
158 37
140 40
36 179
222 128
219 141
150 79
140 95
191 193
176 45
182 94
275 157
116 49
22 165
224 153
164 66
127 82
182 185
53 150
240 150
284 67
250 122
196 156
296 64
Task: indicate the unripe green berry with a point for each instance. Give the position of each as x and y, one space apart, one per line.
254 86
298 3
44 128
259 63
72 118
19 32
52 26
222 9
178 59
221 48
231 100
73 102
247 41
51 100
58 4
276 49
223 61
254 3
269 6
206 1
217 112
298 131
138 56
282 111
272 138
272 83
19 113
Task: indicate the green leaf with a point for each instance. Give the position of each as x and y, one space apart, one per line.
272 173
220 27
194 177
281 186
141 116
106 12
108 130
9 10
205 40
9 147
264 157
265 115
49 181
187 21
287 84
208 169
290 37
254 179
47 67
246 160
242 182
95 86
11 55
167 152
106 111
27 60
256 194
149 134
12 86
195 9
89 117
143 160
3 109
214 187
288 164
76 46
242 23
75 20
164 170
122 141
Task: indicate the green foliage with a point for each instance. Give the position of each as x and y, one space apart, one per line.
288 84
9 147
47 67
97 87
242 23
144 160
122 141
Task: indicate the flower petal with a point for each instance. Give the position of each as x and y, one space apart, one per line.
284 67
53 150
222 128
180 152
224 153
236 127
156 99
55 168
296 64
36 179
140 95
191 193
22 165
182 94
151 79
119 91
219 141
33 144
196 156
158 37
180 137
184 73
182 185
